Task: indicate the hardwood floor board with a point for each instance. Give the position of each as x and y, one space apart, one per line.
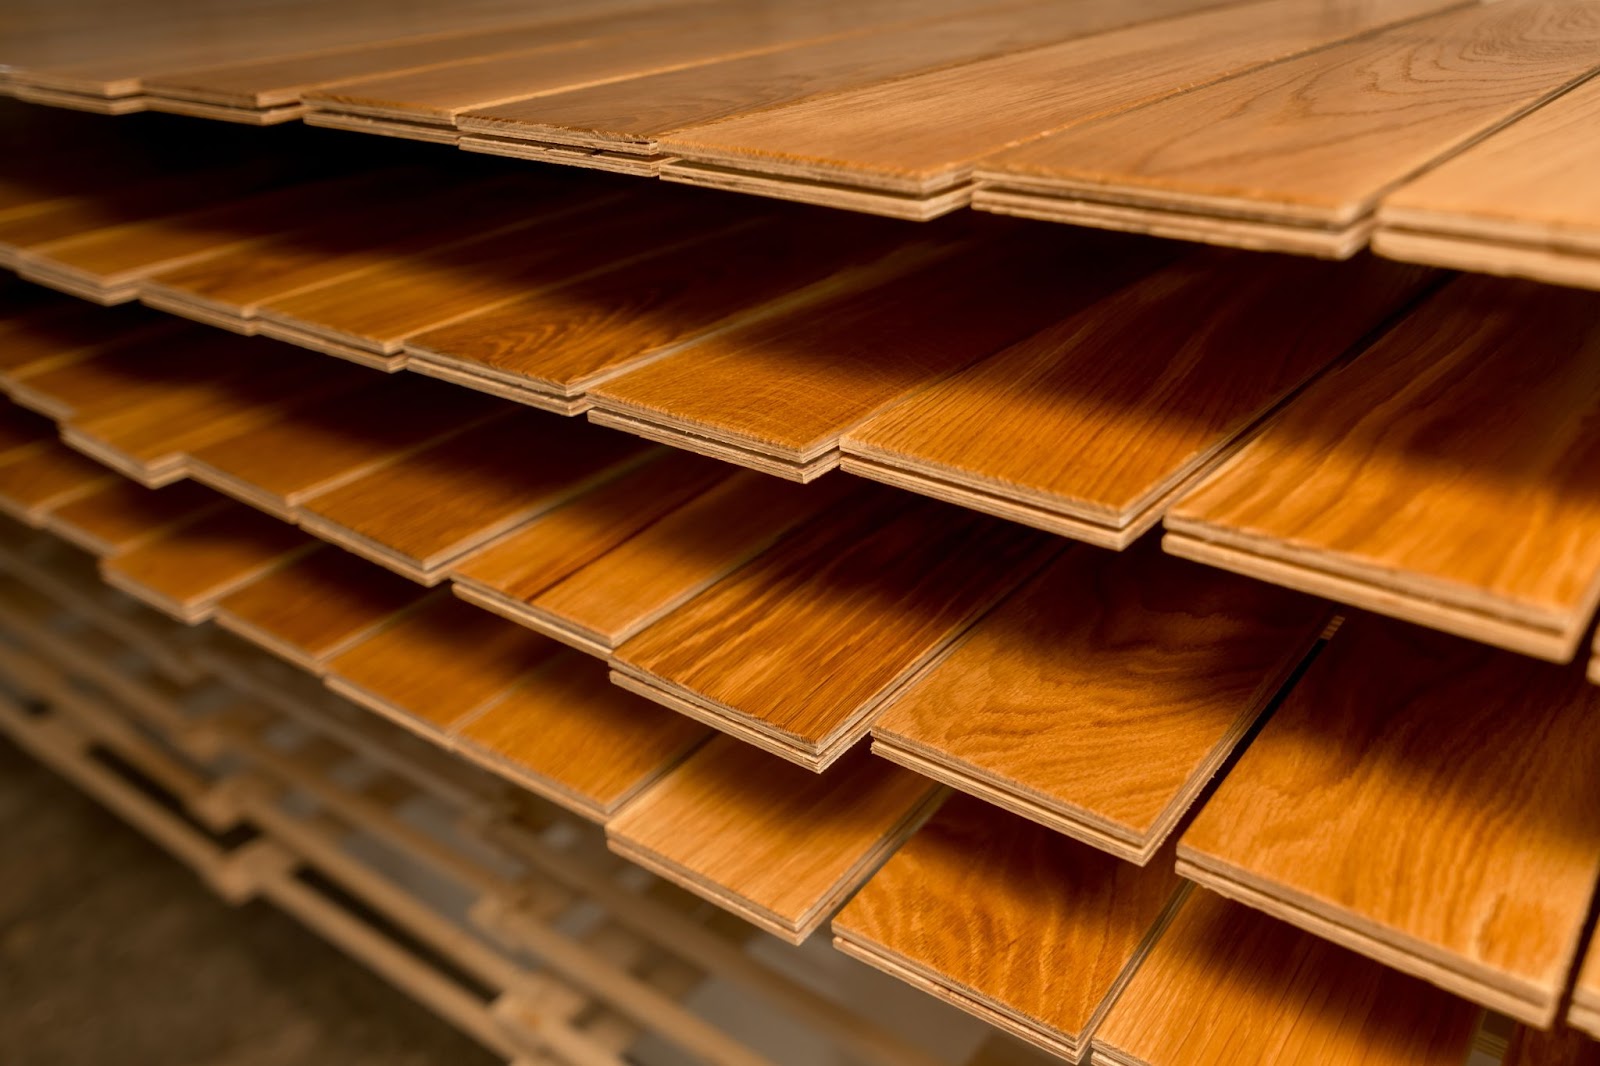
1510 204
36 480
1394 725
631 116
483 483
123 515
919 139
979 905
1584 1011
1133 678
1224 984
805 644
1090 427
1454 526
437 664
565 733
184 571
908 207
778 846
1313 143
788 387
637 166
593 581
581 233
57 335
316 607
316 448
561 342
382 127
1561 1048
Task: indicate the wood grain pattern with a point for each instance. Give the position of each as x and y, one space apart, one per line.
779 393
591 586
798 650
913 139
1515 203
779 846
568 734
1227 985
549 347
432 667
1101 697
187 569
315 608
1487 890
1296 156
1094 425
1585 1010
316 448
1442 477
1025 929
36 480
124 515
481 483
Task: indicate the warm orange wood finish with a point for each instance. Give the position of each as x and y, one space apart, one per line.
797 651
1100 698
23 431
1442 477
1516 203
1490 761
55 335
1093 426
1025 929
436 664
778 394
594 595
549 347
1585 1010
570 735
316 448
315 608
1296 156
187 569
777 845
124 515
1225 986
909 146
36 480
420 516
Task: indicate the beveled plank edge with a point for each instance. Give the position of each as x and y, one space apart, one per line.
909 207
595 158
1584 1016
492 600
248 116
457 374
355 123
1471 981
801 471
1547 263
1557 646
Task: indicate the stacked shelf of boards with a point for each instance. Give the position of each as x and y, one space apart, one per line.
928 718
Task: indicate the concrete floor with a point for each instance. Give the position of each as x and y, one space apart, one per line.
113 954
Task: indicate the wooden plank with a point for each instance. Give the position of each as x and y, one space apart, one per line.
1562 1048
1134 678
123 515
482 483
552 345
150 441
316 607
1487 891
58 334
909 147
778 394
592 578
1295 157
184 571
1093 426
566 733
436 665
1514 203
1484 532
1227 985
317 448
799 650
631 116
778 846
368 317
979 905
1585 1010
35 481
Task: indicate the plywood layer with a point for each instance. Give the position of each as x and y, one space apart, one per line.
1489 760
1103 695
1442 477
1585 1010
1025 929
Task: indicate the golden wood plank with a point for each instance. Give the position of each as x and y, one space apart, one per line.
124 515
